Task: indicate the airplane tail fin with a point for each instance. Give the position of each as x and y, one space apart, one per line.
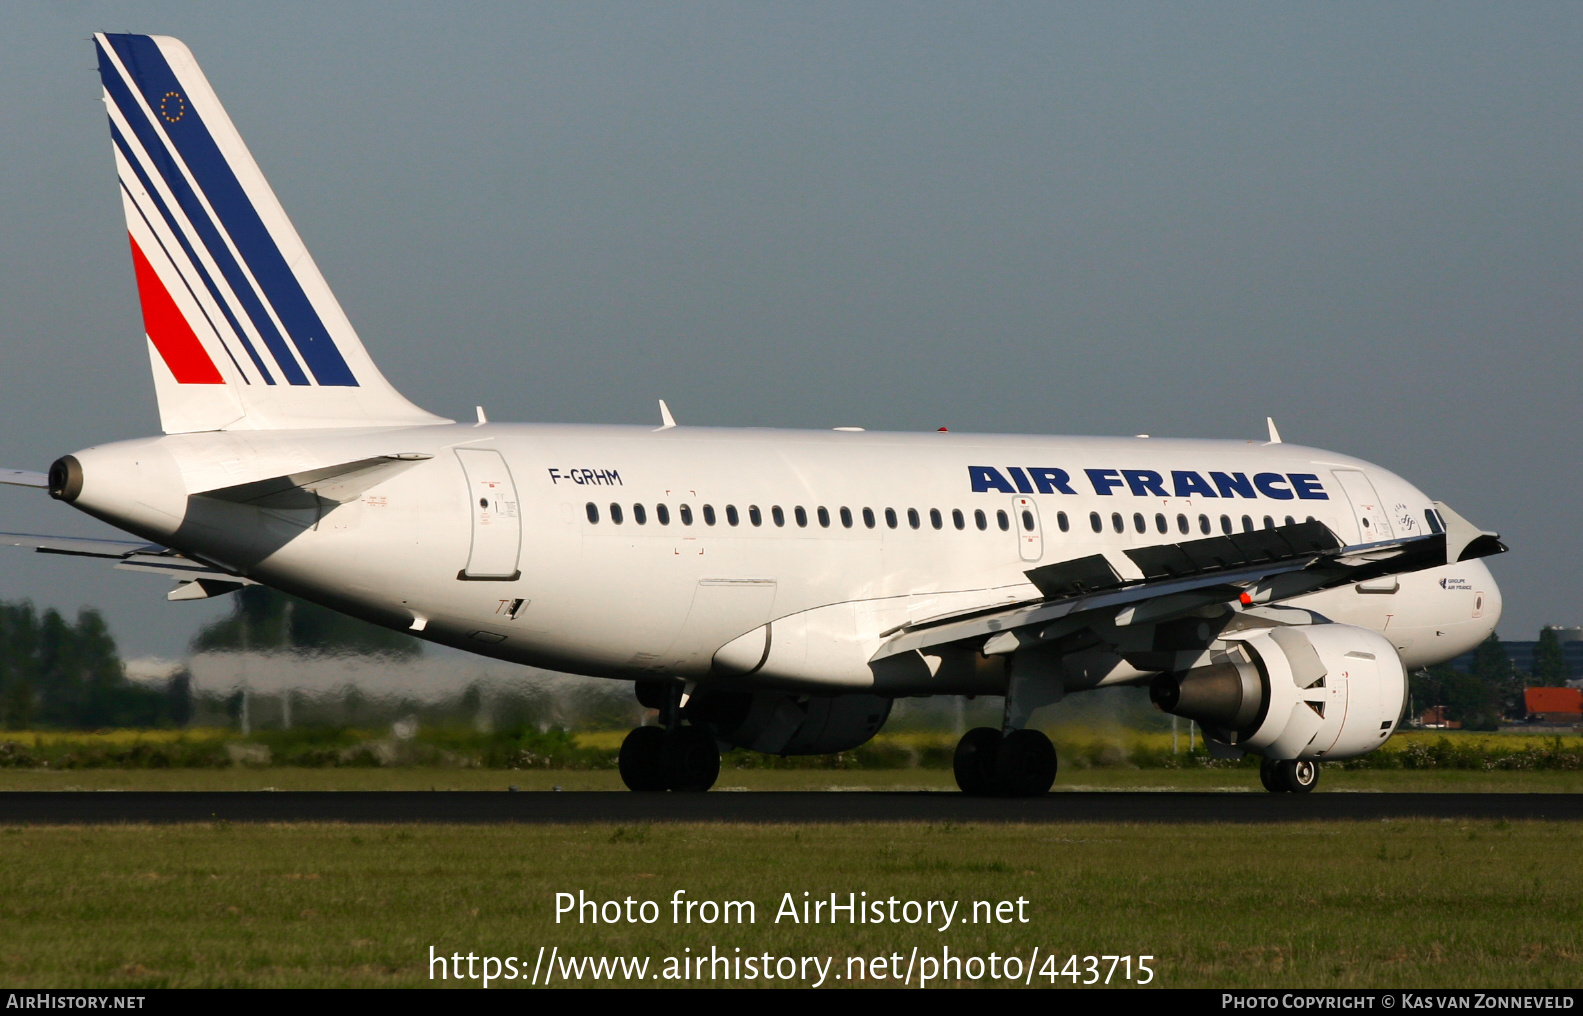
243 332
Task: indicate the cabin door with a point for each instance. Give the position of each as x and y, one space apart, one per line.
496 519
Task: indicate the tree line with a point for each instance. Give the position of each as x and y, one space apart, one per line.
59 674
1492 689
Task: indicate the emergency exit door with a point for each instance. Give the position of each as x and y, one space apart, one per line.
496 520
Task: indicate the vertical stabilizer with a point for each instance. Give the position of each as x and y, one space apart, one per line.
243 333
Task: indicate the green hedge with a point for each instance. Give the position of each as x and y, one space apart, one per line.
558 749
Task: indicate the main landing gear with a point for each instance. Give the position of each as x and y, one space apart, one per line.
1013 761
1297 776
1017 763
671 757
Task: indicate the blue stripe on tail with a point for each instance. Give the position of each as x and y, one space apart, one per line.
157 82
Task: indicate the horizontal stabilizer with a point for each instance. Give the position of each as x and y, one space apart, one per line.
24 478
314 488
132 555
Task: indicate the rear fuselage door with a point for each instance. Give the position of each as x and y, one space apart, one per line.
1373 524
1025 520
496 520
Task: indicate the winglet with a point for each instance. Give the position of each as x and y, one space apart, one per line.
667 421
1275 435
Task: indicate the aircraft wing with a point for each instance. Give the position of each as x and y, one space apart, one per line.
1179 578
197 580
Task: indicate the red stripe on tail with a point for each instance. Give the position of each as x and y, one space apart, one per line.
168 329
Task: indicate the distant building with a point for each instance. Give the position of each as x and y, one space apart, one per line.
1554 705
1522 654
1435 719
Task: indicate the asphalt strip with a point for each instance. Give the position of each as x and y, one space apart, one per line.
477 807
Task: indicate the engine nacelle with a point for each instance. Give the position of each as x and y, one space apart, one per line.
781 723
1328 691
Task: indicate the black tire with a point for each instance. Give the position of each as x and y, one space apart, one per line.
974 761
692 760
1270 776
1025 764
642 762
1300 775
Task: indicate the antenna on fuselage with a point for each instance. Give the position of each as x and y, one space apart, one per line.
1275 435
667 421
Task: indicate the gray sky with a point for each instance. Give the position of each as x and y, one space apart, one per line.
1364 220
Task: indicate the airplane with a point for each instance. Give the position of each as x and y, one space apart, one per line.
772 590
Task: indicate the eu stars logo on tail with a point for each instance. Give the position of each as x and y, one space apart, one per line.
243 331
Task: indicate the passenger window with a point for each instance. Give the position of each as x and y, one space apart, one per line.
890 517
1269 523
615 513
979 520
1203 524
639 516
1225 524
958 519
824 517
1004 521
687 515
593 513
731 515
1247 524
1160 523
754 515
1290 521
1027 520
935 519
777 515
663 514
846 517
1094 520
1062 521
709 514
1182 525
912 518
868 517
801 516
1116 522
1138 523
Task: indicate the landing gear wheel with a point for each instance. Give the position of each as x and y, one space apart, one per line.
692 759
1300 775
642 762
974 762
1270 776
1025 764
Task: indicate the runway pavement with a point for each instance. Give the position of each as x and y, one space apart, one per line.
472 807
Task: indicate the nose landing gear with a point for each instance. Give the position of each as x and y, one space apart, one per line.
1297 776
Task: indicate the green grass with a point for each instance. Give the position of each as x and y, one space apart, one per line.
1426 904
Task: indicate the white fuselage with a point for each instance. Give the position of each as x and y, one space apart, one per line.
529 564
